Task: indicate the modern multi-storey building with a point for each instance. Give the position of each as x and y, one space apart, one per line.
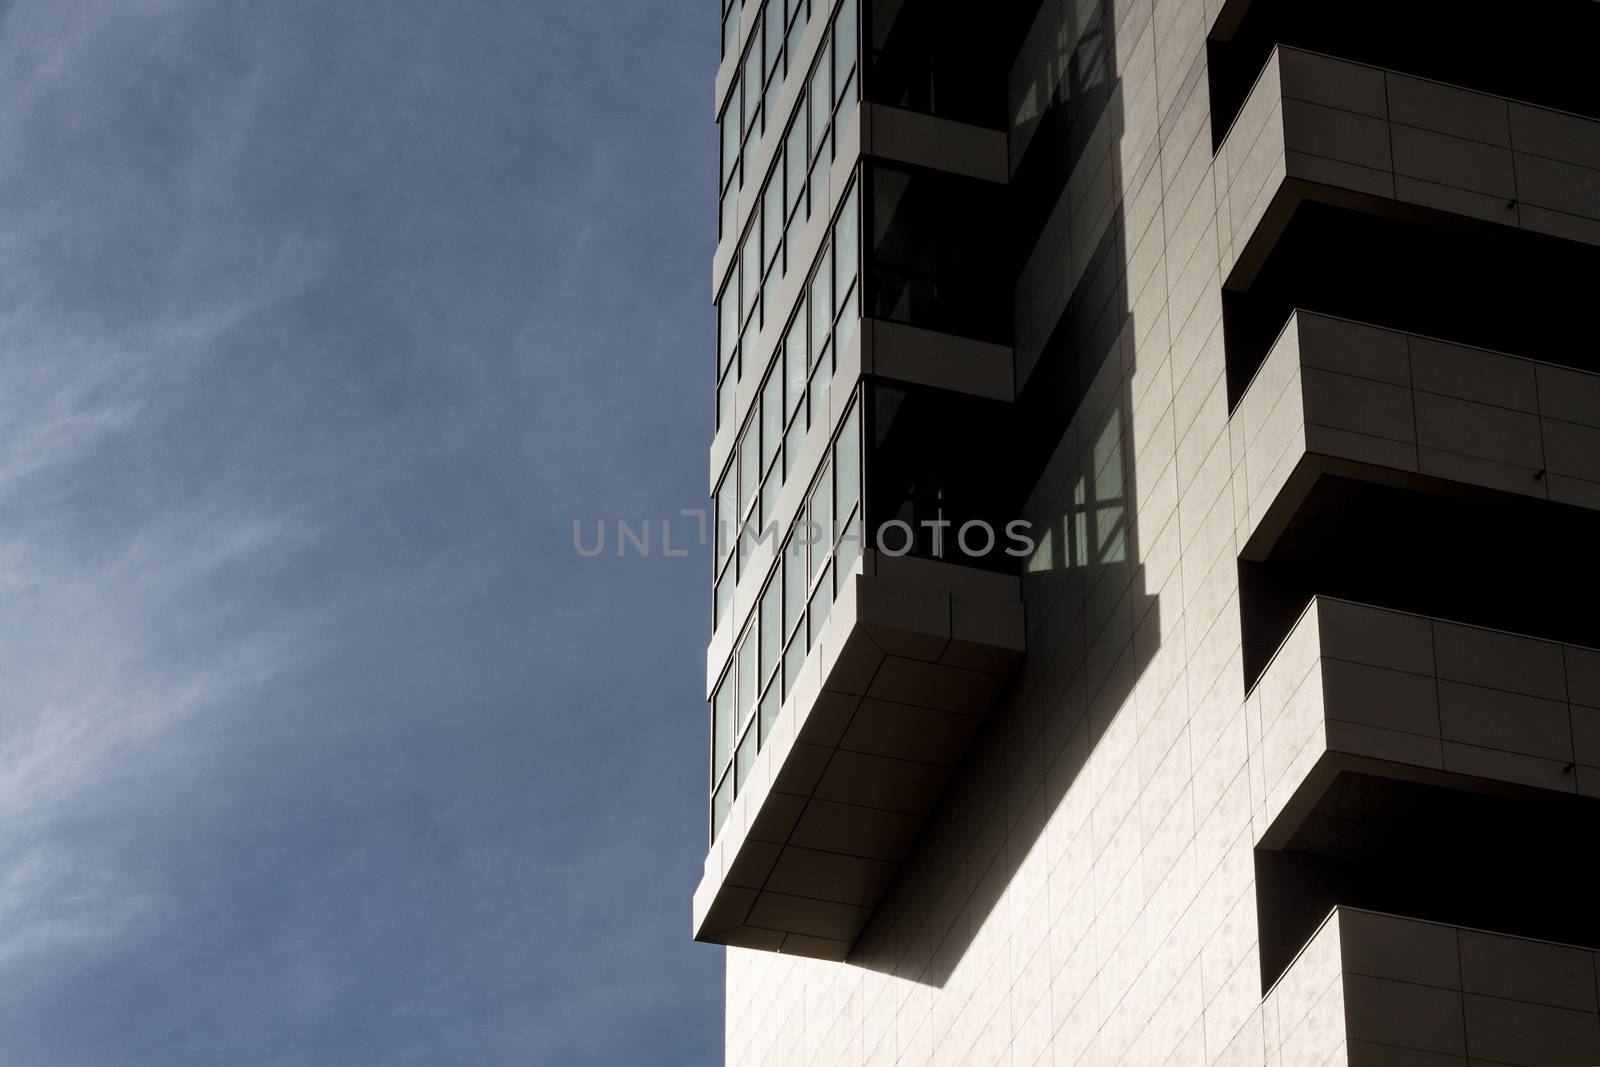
1181 424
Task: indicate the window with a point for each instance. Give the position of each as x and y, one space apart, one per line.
772 219
771 419
847 467
730 136
794 163
727 323
820 98
819 510
771 633
745 670
794 585
794 361
799 593
750 82
800 588
749 465
797 29
727 518
749 272
722 723
844 46
730 24
821 301
846 245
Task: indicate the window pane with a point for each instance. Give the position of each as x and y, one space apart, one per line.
752 139
751 79
747 339
797 29
795 159
771 631
773 39
846 246
845 328
847 465
722 724
721 805
821 301
749 466
770 489
730 135
821 602
844 557
725 515
793 440
769 105
821 98
772 217
746 675
844 48
769 294
746 760
794 585
725 395
749 272
794 362
730 200
772 412
843 110
820 511
819 171
817 391
728 322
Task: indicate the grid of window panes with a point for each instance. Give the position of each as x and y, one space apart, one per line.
819 552
755 87
787 198
793 396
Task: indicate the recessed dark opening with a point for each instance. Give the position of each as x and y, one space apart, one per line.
1513 862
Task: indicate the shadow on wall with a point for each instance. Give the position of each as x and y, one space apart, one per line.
1092 629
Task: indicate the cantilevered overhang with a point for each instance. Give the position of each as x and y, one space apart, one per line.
1372 988
911 658
1368 690
1346 398
1315 127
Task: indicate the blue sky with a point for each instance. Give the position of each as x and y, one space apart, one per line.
320 322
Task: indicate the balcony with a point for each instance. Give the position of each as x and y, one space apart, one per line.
1346 398
1362 689
1314 127
1371 989
910 657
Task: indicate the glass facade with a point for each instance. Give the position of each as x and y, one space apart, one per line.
793 394
789 194
793 376
816 554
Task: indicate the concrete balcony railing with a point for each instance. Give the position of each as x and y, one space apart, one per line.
1373 989
1330 128
1362 688
910 658
1335 395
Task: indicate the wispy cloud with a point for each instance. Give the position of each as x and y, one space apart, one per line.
318 324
